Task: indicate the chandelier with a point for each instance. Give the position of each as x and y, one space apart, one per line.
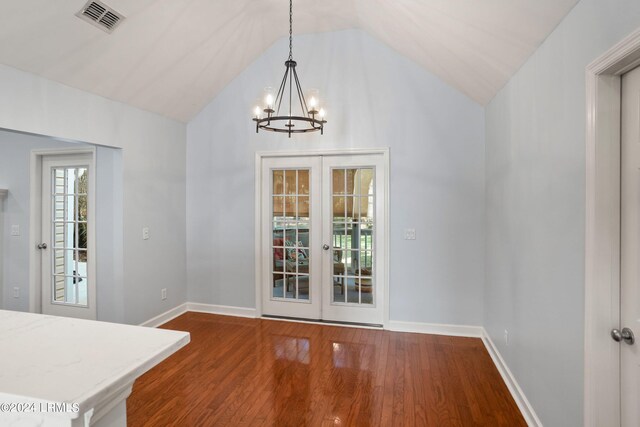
309 118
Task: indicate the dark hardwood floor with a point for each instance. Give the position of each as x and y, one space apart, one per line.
254 372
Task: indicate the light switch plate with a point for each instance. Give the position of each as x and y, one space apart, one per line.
15 230
409 234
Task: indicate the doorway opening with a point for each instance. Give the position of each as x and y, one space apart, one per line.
67 243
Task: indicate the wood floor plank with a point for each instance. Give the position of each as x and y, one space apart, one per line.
252 372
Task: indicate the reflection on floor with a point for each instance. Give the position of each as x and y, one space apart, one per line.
246 372
303 292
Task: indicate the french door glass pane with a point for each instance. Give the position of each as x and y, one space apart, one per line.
69 228
290 230
303 182
353 229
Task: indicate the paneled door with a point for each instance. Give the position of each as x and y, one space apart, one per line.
68 236
322 232
630 251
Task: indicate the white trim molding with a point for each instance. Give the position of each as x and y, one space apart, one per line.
3 195
313 153
518 395
168 315
223 310
196 307
435 329
602 231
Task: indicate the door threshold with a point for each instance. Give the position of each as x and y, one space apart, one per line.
324 322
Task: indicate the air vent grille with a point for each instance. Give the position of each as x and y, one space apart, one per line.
100 15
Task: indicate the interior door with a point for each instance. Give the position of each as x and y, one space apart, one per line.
630 250
354 232
291 236
68 236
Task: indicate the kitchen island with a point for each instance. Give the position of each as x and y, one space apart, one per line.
58 371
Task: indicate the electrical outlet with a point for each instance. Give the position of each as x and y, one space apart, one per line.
15 230
145 233
409 234
163 293
506 337
16 292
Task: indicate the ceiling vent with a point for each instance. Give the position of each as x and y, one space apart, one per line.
100 15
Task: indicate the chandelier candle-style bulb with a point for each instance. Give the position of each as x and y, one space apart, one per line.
313 101
257 111
269 99
287 110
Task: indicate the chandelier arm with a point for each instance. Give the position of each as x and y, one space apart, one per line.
290 96
303 102
280 94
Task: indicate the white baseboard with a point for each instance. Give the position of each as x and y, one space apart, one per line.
436 329
224 310
518 395
166 316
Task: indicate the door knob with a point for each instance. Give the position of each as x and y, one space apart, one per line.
625 335
42 246
325 247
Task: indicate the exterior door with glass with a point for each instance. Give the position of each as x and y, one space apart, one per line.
323 237
68 236
291 232
354 231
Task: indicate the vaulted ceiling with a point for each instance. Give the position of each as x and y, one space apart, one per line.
173 56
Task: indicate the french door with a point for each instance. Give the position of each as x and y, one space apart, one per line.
323 231
68 233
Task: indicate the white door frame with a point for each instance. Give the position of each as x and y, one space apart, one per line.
3 195
602 234
258 210
35 219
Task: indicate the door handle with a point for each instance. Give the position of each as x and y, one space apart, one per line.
42 246
625 335
325 247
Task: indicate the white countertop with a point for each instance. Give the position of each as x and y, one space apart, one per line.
48 359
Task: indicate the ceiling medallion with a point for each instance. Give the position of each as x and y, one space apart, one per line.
310 117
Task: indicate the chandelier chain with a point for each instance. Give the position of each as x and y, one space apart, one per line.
290 29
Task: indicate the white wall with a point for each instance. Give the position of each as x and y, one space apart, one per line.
154 164
535 184
376 98
110 290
